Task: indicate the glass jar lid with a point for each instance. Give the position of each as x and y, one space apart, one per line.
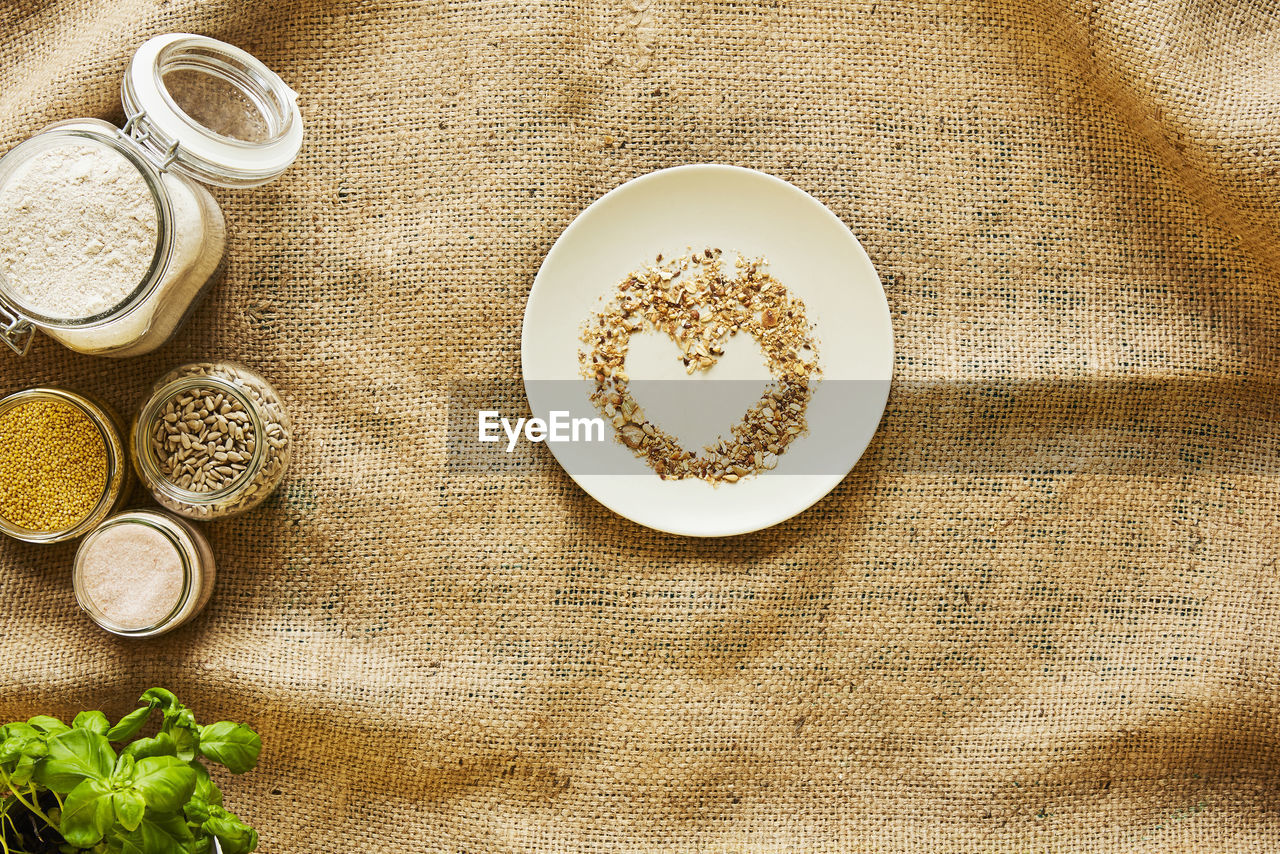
210 110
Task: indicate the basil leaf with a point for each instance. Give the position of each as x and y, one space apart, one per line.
154 697
10 732
233 745
161 745
123 772
168 835
129 725
179 717
75 755
165 781
92 721
87 814
23 771
196 810
129 806
206 789
234 836
46 724
186 740
22 740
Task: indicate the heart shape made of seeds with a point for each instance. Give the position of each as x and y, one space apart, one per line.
692 301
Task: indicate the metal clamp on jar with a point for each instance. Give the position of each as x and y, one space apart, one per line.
108 240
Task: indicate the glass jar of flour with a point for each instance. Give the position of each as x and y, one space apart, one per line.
107 237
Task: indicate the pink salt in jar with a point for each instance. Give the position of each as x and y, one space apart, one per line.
143 573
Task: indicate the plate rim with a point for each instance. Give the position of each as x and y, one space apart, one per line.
829 482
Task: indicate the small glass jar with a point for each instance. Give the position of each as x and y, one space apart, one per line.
143 573
118 477
212 440
199 110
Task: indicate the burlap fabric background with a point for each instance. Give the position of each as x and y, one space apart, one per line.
1040 615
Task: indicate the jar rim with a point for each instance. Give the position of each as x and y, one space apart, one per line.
56 136
168 131
149 469
108 427
178 536
252 80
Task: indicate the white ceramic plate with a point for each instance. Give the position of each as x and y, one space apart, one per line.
808 249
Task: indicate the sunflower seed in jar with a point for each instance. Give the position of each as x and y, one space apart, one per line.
216 440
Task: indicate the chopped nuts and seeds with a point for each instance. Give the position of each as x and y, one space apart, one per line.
691 300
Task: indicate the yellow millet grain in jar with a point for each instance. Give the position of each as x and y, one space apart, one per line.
53 465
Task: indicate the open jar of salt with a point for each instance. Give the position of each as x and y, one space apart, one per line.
143 573
108 237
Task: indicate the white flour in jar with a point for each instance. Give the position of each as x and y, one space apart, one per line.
78 229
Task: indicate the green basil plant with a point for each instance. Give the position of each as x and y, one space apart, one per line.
65 789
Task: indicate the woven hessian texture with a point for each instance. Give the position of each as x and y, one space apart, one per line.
1040 615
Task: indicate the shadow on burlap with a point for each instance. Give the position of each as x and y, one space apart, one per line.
1040 615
